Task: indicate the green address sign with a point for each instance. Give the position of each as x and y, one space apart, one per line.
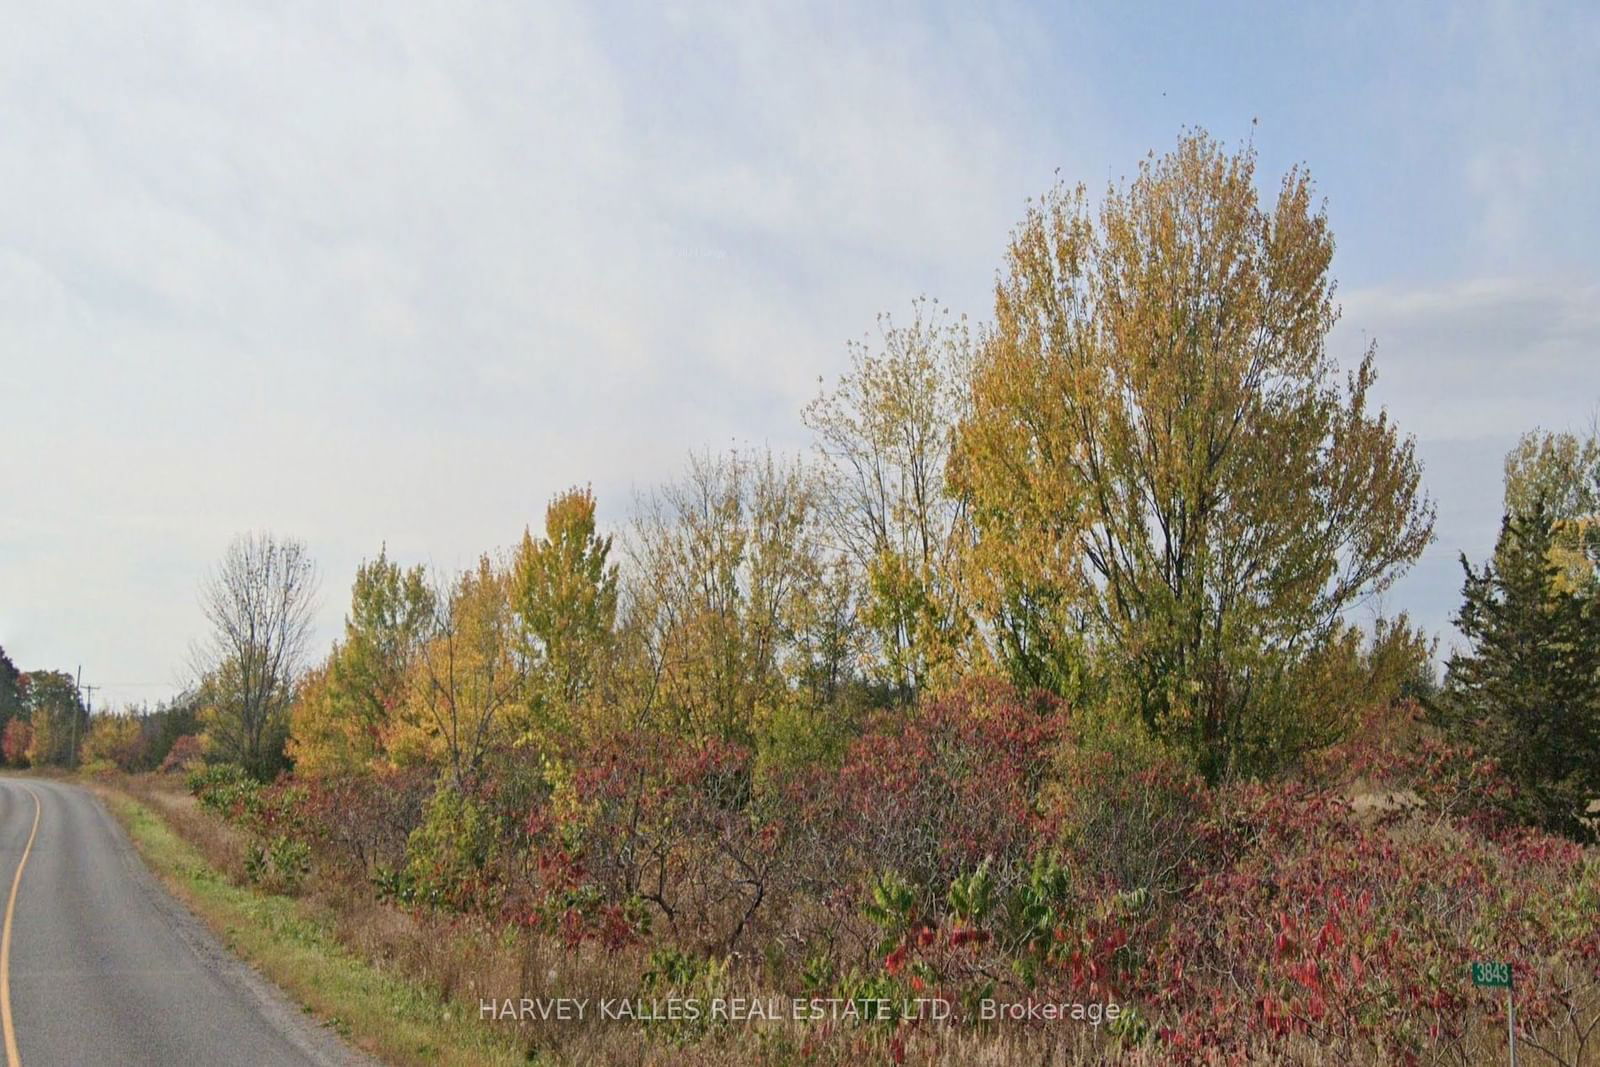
1491 974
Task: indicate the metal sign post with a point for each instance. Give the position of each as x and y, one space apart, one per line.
1511 1024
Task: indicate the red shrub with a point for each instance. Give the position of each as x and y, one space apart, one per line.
186 750
929 794
1297 919
15 742
685 835
987 844
654 829
359 824
1357 934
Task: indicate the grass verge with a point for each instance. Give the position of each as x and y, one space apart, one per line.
387 1015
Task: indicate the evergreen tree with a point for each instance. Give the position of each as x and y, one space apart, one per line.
1528 692
11 696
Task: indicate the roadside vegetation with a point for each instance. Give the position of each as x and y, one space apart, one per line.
295 943
1048 677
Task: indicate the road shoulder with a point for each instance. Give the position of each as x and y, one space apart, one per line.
298 960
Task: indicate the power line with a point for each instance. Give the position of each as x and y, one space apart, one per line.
130 690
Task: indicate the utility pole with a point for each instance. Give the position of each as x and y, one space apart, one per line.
88 708
72 753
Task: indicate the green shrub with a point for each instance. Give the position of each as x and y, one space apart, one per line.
448 856
674 973
279 865
227 790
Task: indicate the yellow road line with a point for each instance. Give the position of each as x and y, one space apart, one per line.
13 1058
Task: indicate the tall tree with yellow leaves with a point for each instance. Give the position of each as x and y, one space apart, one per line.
58 718
468 678
346 709
884 432
1560 474
563 588
1163 465
734 607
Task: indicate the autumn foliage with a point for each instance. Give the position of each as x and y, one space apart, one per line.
1039 685
16 742
989 844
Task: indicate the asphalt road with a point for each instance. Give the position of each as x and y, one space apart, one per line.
104 967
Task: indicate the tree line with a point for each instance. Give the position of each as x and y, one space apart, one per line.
1145 487
45 722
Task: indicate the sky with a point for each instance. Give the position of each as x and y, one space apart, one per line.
398 273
